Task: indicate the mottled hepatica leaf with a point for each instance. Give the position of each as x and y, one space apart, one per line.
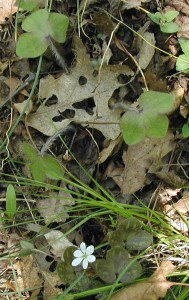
118 260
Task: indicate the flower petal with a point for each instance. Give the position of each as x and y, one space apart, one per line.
90 250
77 261
91 258
83 247
85 263
78 253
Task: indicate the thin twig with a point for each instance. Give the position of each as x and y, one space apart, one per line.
30 78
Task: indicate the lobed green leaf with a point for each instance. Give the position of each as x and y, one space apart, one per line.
59 25
41 26
171 15
156 125
156 102
30 45
182 63
38 23
132 130
169 27
184 44
155 17
185 131
139 241
27 5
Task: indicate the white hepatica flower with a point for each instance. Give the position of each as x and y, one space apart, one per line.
84 256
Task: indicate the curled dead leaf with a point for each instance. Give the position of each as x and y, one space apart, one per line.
154 288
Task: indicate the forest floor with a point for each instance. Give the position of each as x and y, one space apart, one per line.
75 173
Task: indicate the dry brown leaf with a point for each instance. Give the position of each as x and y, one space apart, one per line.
155 83
69 93
3 66
7 8
20 107
53 208
153 289
183 23
146 50
13 83
165 195
138 159
134 3
107 151
182 205
28 271
179 5
171 178
51 285
58 242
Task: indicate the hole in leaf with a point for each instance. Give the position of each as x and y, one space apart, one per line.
123 79
82 80
95 73
53 266
52 100
49 258
86 104
66 114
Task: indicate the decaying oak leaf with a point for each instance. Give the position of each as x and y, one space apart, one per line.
82 93
153 289
7 9
54 207
147 50
58 242
131 4
179 5
28 270
138 159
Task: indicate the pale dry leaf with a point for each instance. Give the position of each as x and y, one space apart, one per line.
146 51
138 159
166 195
179 5
13 83
133 3
21 106
28 270
179 225
53 208
51 285
70 94
182 205
183 22
109 149
153 289
58 242
3 66
7 9
106 52
171 178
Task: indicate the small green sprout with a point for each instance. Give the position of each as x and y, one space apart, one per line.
27 5
42 28
10 202
182 63
42 167
149 120
165 21
185 130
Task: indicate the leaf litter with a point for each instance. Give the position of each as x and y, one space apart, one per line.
69 93
83 97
